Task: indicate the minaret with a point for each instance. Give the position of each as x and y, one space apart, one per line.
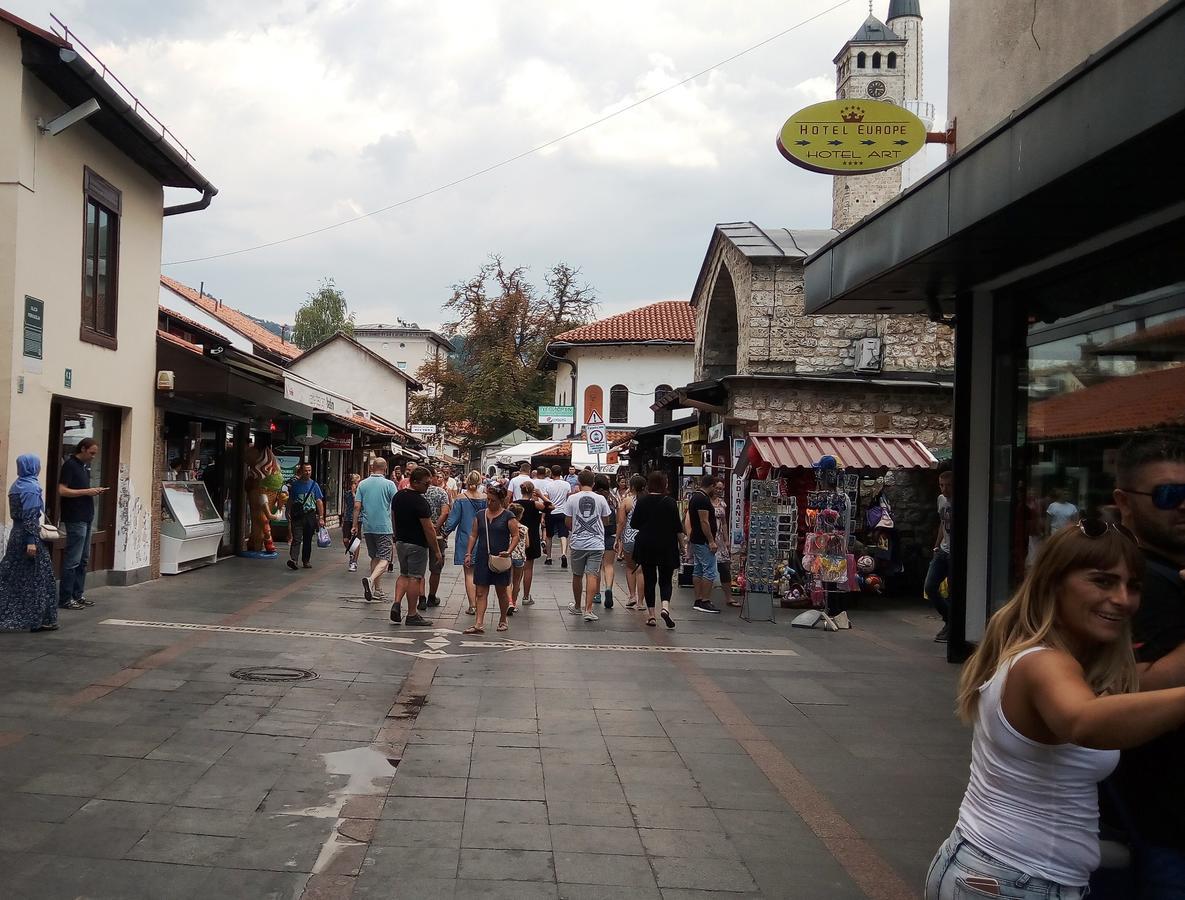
905 18
871 66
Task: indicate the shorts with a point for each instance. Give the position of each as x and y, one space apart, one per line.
585 559
413 559
704 558
378 546
436 566
518 563
557 525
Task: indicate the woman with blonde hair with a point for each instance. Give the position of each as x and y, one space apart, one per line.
462 514
1052 693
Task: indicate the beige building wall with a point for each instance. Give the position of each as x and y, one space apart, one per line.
41 237
348 371
1005 52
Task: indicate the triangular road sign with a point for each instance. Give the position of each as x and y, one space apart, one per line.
594 418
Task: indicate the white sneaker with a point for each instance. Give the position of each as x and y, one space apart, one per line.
574 609
591 616
528 601
353 567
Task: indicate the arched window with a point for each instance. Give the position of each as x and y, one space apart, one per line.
860 60
876 60
662 416
619 404
891 62
594 401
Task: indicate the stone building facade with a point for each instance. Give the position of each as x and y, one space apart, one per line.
773 368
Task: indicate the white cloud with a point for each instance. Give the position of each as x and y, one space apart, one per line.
306 113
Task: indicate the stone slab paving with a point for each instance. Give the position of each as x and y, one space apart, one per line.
133 765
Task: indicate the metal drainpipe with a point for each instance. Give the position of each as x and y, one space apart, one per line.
195 206
563 359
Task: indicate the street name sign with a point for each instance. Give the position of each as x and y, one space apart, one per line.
851 137
423 429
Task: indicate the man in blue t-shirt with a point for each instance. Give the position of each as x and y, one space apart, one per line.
372 520
77 519
306 513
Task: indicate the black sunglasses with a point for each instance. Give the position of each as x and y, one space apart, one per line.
1096 528
1164 496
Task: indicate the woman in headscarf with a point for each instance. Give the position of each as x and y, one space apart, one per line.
28 593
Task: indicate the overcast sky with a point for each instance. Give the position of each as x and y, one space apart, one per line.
308 113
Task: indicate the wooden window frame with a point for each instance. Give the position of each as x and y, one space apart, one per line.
105 196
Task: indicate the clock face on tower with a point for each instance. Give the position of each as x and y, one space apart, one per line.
876 89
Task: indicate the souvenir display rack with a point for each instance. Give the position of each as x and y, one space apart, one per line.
827 561
773 540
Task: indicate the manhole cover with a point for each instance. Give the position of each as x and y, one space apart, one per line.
273 673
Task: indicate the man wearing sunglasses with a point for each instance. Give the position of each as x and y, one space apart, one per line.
1148 788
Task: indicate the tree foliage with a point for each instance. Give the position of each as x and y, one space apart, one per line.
494 382
322 315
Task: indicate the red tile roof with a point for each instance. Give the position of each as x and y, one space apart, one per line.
564 448
670 320
357 421
854 451
232 318
1131 403
180 342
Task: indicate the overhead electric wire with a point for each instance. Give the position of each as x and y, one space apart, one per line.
518 156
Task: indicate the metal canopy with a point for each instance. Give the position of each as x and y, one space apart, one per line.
1074 164
853 451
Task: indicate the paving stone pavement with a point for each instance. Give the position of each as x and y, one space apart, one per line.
421 763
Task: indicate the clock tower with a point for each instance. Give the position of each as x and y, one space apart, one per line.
880 62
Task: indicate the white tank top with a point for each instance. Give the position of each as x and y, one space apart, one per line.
1030 805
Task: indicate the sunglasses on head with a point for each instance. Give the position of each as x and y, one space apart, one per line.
1096 528
1164 496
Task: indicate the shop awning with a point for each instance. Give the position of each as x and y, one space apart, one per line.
853 451
522 452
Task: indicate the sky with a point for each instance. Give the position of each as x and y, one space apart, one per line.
305 113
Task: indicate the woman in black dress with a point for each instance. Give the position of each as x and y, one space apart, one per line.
656 548
531 521
491 535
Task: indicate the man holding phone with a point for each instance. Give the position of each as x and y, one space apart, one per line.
77 520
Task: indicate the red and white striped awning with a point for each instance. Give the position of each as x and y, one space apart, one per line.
852 451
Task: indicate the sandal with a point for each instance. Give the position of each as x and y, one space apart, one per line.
502 626
471 611
650 622
736 603
633 604
473 629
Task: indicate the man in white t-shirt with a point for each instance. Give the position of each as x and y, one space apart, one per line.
556 490
516 483
1061 512
586 513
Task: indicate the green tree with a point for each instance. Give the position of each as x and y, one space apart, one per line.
493 383
322 315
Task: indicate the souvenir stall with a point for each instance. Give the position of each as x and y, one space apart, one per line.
818 520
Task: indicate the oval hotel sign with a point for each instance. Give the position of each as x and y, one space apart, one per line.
851 137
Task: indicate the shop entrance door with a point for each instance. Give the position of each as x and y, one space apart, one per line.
70 422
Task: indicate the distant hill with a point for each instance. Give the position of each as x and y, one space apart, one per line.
271 326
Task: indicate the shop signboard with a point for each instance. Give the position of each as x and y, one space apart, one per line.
736 497
716 433
338 440
309 395
851 137
557 415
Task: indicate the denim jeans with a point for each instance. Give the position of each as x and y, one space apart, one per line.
705 562
75 560
958 860
939 569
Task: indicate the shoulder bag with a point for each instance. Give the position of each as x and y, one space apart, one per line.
49 532
497 564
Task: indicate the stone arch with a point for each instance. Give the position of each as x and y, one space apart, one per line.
720 335
876 60
861 60
892 60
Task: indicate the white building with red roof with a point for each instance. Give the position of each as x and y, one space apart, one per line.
619 366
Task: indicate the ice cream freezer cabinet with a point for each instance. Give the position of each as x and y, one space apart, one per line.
191 528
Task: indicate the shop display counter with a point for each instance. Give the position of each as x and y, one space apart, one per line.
191 528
